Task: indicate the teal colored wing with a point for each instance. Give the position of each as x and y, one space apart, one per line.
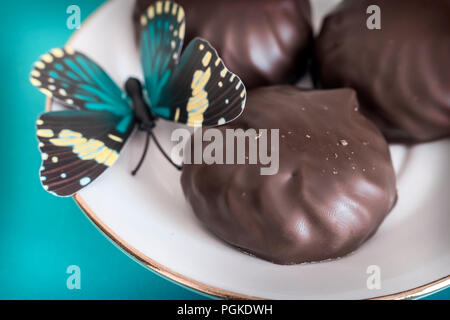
78 82
79 144
196 89
162 35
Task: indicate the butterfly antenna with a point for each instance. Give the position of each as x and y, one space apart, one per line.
164 153
147 142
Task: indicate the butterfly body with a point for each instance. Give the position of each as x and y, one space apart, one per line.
144 117
192 88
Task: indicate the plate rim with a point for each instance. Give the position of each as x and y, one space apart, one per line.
188 282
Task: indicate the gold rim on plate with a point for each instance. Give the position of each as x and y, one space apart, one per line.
192 283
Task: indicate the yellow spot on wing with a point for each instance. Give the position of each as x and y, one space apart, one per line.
39 65
88 150
206 59
167 6
69 50
180 14
103 155
35 73
111 159
174 8
39 122
182 31
57 53
199 81
47 58
177 114
55 159
69 133
223 73
35 82
159 7
201 47
198 102
217 62
45 133
46 92
115 138
151 12
91 149
143 20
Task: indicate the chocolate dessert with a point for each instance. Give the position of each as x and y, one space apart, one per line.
401 71
265 42
334 186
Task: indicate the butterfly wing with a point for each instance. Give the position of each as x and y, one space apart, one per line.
78 82
196 89
162 35
202 91
77 146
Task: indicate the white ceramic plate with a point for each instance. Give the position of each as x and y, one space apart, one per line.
149 218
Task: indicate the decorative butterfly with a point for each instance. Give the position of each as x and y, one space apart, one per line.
80 143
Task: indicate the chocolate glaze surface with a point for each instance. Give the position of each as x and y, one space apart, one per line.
334 187
401 72
263 41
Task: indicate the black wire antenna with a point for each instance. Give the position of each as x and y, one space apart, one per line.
149 135
146 120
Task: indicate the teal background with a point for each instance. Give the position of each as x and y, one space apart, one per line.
40 235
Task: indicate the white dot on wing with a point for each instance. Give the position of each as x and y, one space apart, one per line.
84 181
